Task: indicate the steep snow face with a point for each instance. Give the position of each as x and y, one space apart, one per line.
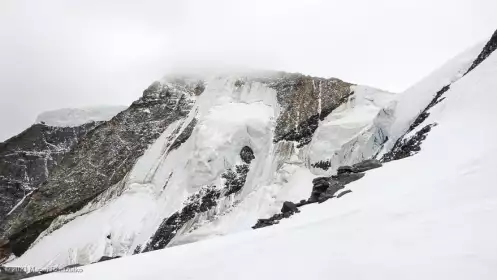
353 132
70 117
198 152
428 216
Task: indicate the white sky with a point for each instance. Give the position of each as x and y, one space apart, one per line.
59 53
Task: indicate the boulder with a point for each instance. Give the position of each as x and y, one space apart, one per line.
289 207
247 154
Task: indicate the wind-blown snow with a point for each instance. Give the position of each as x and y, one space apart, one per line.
69 117
429 216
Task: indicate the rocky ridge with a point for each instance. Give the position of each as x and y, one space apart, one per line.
100 160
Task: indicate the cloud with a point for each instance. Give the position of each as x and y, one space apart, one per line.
57 53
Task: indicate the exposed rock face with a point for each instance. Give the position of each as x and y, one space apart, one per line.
489 48
289 206
288 209
101 160
27 159
306 100
247 154
185 134
325 188
235 179
408 145
325 165
202 201
360 167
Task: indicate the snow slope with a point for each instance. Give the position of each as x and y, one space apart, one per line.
69 117
411 102
424 217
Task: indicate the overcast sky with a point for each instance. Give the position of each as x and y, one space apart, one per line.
61 53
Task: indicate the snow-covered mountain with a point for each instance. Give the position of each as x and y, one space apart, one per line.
206 156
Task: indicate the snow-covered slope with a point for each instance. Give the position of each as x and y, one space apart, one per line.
69 117
428 216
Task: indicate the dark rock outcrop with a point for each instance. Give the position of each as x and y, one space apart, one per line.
359 167
100 160
324 188
275 219
184 135
305 100
247 154
301 203
235 179
345 169
200 202
366 165
27 159
289 207
407 146
489 48
325 165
